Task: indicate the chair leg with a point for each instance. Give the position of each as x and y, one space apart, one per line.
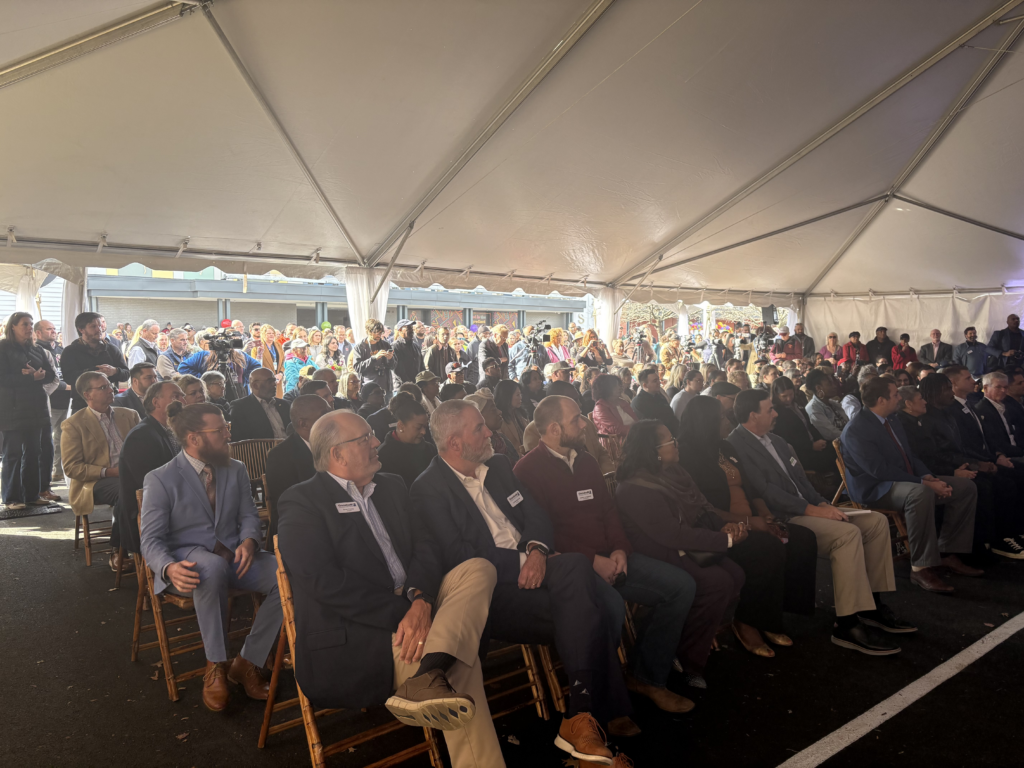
275 675
316 747
87 540
140 598
535 686
78 526
161 633
554 686
430 735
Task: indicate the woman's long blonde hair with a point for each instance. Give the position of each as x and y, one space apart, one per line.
555 338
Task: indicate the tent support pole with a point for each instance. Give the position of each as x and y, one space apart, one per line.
936 133
279 128
879 97
569 39
391 264
958 217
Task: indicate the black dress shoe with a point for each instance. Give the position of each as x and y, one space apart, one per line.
884 619
864 639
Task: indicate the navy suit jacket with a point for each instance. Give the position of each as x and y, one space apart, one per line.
971 438
441 500
873 462
346 608
130 400
249 421
147 447
995 431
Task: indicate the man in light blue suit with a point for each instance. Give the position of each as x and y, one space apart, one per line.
200 536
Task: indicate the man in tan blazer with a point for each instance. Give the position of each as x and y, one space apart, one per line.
90 445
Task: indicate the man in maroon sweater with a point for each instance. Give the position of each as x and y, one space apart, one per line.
567 483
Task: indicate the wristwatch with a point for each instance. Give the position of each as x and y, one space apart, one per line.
538 547
424 597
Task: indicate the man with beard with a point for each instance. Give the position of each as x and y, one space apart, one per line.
92 351
408 359
200 536
440 355
1006 346
972 354
567 483
475 507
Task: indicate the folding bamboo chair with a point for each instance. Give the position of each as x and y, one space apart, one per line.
900 540
318 752
171 646
253 454
93 534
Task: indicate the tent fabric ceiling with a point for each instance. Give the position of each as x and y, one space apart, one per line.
662 111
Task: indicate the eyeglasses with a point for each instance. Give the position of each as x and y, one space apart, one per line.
361 440
673 441
104 388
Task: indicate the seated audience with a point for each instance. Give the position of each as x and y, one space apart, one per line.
371 398
319 388
452 392
474 506
880 347
150 444
972 354
612 415
650 402
858 546
693 383
935 439
201 537
854 352
767 376
142 377
676 380
851 403
832 351
508 399
192 387
290 462
712 464
567 483
903 353
667 518
1001 433
938 353
493 419
215 384
406 632
786 348
90 446
405 452
794 426
825 414
740 379
725 393
882 471
261 414
429 385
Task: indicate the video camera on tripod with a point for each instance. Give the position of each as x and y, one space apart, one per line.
223 345
535 340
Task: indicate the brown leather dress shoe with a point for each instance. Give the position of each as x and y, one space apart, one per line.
215 687
928 579
245 673
582 738
429 701
666 700
49 496
959 567
623 728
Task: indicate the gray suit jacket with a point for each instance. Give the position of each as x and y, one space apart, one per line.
176 515
926 353
764 477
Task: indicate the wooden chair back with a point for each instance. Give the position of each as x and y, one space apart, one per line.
318 752
253 453
842 474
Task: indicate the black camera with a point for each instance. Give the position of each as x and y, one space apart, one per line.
222 343
539 335
639 336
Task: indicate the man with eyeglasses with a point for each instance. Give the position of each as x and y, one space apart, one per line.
377 619
201 538
567 483
90 447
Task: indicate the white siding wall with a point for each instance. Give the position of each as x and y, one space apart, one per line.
50 296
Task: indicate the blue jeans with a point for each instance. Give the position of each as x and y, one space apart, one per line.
668 591
20 477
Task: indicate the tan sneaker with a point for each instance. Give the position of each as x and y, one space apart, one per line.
666 700
620 761
429 701
583 738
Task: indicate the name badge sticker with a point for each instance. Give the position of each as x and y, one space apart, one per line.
392 426
515 499
586 495
347 507
792 461
967 410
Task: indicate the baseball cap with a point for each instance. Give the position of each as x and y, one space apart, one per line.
368 389
187 327
454 368
424 376
561 365
403 324
299 344
783 329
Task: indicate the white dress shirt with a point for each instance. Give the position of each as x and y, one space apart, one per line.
766 441
114 441
137 355
276 423
505 535
1001 410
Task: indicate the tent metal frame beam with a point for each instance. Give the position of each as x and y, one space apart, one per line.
958 106
879 97
76 47
958 217
279 128
391 264
773 233
568 40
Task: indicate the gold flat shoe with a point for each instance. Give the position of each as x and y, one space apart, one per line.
762 650
783 640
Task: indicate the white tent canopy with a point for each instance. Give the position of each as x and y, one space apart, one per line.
738 151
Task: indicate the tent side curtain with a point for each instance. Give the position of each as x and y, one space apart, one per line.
916 316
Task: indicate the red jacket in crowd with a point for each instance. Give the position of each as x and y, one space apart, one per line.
855 353
583 513
901 356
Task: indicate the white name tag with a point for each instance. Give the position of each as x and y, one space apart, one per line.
515 498
792 461
586 495
734 460
350 506
392 426
967 410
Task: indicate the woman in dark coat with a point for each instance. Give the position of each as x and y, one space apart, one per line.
793 426
405 452
24 412
712 463
667 517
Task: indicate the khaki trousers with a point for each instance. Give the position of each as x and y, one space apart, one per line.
861 556
460 613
